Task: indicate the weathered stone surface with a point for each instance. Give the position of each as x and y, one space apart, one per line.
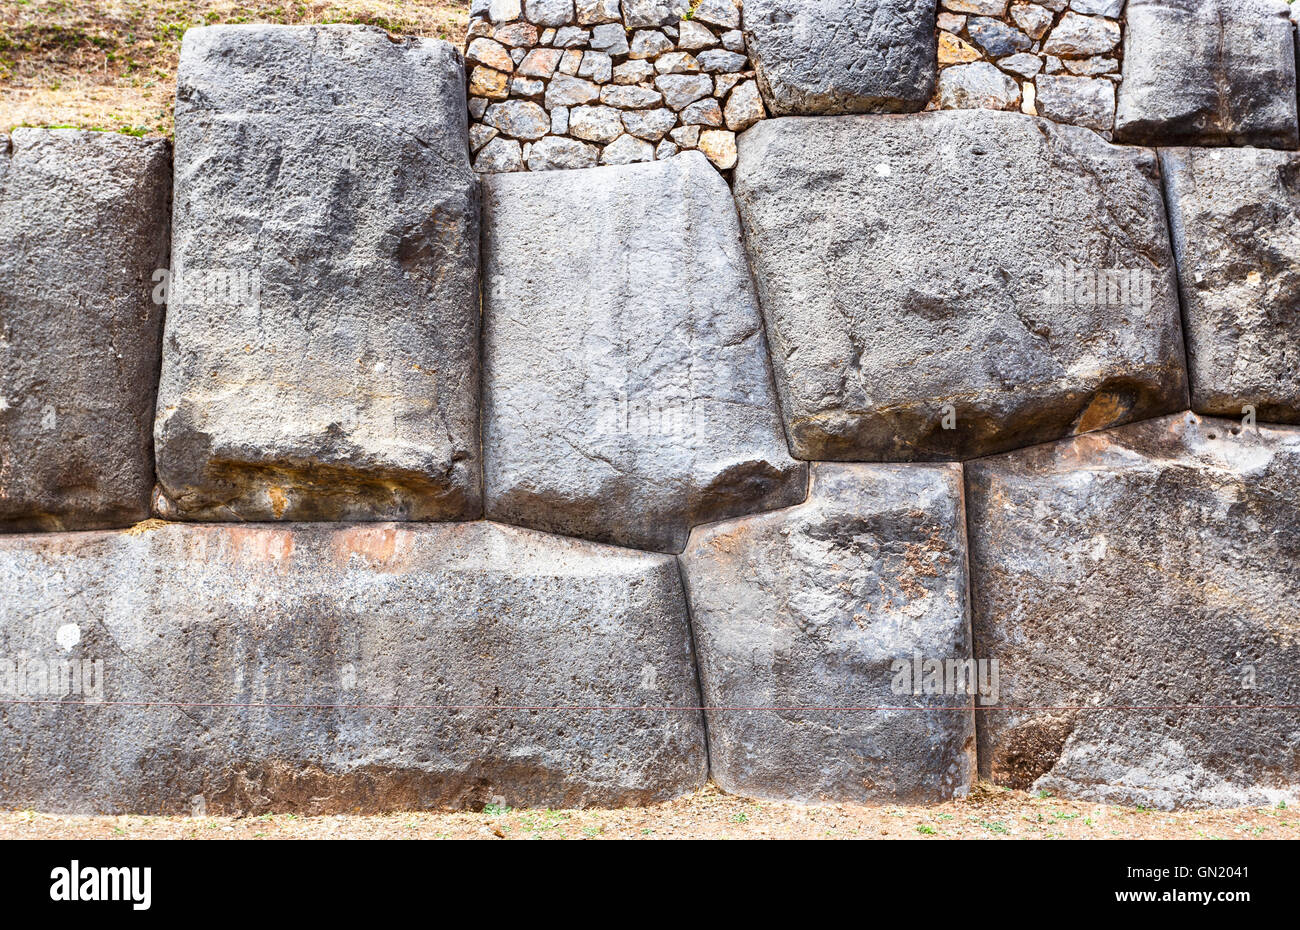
630 98
521 119
1111 8
596 424
567 91
942 260
1149 567
997 38
722 13
627 149
1080 101
598 11
500 155
341 384
978 85
596 124
979 7
596 66
1235 217
549 12
649 124
401 653
1078 36
744 107
556 152
720 147
1208 72
681 90
610 39
807 610
83 228
861 56
704 112
641 13
1035 20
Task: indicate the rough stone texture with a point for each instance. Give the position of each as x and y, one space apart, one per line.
345 386
1081 101
429 636
627 395
619 86
83 228
1005 57
936 259
1150 566
1235 217
807 609
1208 72
861 56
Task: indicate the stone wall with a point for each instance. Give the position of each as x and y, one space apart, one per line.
1059 59
554 84
918 447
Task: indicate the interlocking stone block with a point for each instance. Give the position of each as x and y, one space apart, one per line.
321 345
858 56
1138 588
1208 72
83 229
802 618
952 284
1235 217
627 393
328 668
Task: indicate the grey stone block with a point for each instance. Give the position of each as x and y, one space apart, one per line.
861 56
83 230
1208 72
332 668
951 284
1138 588
627 393
803 619
320 354
1235 218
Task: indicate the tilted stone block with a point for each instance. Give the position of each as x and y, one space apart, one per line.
946 285
321 347
327 668
1208 72
862 56
627 394
1137 587
805 617
83 229
1235 217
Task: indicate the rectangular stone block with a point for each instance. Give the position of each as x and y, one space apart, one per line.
951 284
865 56
321 348
83 228
627 393
1139 589
1235 218
331 668
817 628
1208 72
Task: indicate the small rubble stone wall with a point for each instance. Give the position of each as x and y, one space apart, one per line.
1060 59
926 446
559 84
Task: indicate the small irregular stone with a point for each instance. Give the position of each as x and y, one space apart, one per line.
681 90
720 147
627 149
595 123
555 152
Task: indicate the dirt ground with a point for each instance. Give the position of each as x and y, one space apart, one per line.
990 813
111 64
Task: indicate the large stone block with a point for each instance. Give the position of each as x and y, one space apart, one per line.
321 346
1235 218
950 284
1138 588
627 394
860 56
83 228
803 618
339 668
1208 72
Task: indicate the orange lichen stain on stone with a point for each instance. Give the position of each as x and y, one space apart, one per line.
279 501
145 526
385 546
258 545
1104 410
